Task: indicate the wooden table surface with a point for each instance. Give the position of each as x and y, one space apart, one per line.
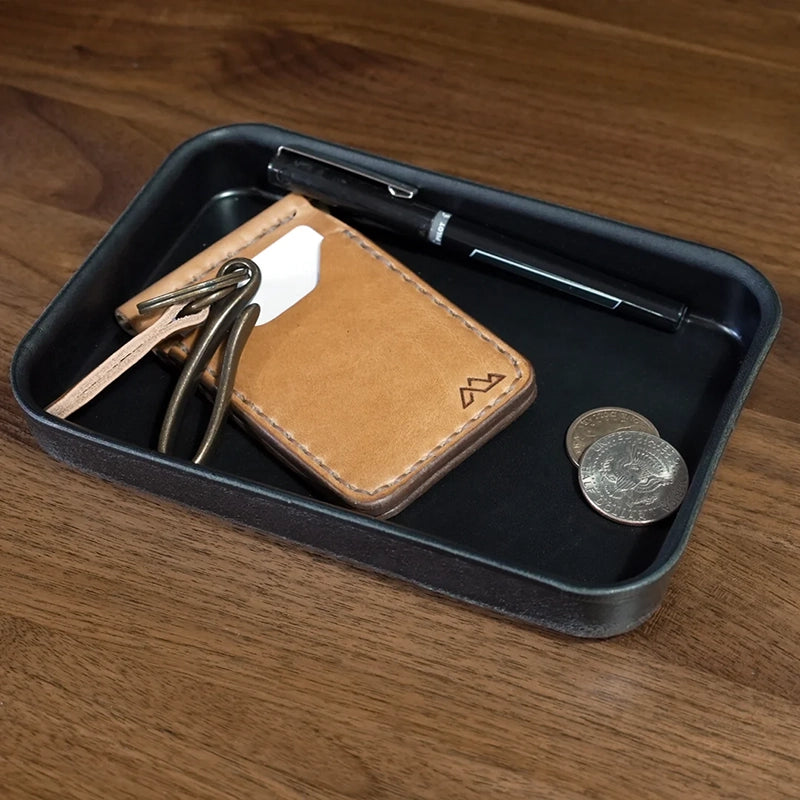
147 651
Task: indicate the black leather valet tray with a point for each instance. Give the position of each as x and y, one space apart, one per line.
508 529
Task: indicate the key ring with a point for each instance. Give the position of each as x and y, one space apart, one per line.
223 303
232 315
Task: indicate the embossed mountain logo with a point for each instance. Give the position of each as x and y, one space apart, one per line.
481 385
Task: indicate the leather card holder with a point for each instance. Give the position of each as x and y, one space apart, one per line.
373 385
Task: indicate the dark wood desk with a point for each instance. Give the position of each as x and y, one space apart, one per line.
146 651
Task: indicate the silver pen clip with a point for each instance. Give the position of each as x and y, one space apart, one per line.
403 191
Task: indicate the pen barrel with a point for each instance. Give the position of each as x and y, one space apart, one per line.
337 188
563 275
347 189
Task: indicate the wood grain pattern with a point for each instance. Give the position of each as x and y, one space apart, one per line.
146 651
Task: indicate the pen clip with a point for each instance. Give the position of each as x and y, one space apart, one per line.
402 191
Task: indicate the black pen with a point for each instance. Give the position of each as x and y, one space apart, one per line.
393 204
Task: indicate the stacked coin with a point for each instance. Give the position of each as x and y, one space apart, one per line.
625 470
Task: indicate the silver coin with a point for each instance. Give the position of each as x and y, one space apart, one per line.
591 425
632 477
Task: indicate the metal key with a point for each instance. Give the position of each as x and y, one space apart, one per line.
224 304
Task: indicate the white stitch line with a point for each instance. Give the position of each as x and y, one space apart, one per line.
260 235
444 442
365 246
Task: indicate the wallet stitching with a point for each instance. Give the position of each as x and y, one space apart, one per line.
260 235
423 290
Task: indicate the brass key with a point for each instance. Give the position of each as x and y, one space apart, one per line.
224 303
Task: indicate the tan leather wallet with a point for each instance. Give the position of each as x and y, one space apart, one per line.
373 385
